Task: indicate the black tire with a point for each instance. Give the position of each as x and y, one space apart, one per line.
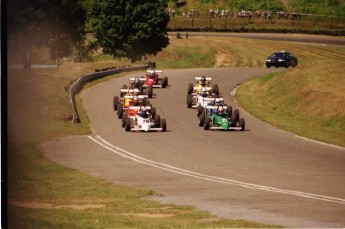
163 83
115 102
164 125
153 111
229 110
242 124
157 119
292 63
268 66
144 102
207 124
166 80
200 110
237 114
190 89
149 91
124 118
128 125
119 111
189 101
202 119
233 118
287 64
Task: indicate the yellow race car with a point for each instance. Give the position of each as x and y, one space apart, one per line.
203 82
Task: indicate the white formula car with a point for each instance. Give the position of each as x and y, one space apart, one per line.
141 118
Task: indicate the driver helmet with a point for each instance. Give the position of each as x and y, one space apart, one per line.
220 110
136 99
136 80
130 91
142 109
203 78
217 101
203 92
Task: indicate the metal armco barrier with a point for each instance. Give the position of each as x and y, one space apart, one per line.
80 82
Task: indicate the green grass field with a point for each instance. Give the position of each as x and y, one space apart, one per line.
43 194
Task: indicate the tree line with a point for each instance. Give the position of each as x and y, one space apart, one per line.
123 28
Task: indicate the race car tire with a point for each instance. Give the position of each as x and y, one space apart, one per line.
237 115
190 89
153 111
229 110
268 66
145 102
164 125
124 120
128 125
287 64
207 124
242 124
115 102
189 101
119 111
149 91
163 83
200 110
165 79
202 119
233 118
157 120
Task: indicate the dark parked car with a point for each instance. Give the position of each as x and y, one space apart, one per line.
281 59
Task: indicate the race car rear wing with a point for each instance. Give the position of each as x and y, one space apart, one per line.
156 71
215 107
135 90
141 78
207 88
207 78
132 96
138 107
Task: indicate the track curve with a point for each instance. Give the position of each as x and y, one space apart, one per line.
262 156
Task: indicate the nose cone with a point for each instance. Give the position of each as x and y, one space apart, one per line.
225 125
146 127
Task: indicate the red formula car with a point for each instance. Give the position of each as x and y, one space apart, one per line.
155 78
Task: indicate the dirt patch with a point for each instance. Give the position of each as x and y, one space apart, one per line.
223 59
149 215
29 204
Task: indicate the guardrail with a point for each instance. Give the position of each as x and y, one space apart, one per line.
80 82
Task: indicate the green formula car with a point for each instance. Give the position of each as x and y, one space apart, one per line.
219 118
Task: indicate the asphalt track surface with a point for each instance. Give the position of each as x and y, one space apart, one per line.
263 174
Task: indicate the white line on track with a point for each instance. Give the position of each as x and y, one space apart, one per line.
100 141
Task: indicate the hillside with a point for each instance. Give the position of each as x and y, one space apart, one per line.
321 7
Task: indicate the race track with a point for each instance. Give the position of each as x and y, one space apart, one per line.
262 174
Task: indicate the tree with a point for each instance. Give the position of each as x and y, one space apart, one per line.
56 24
130 28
